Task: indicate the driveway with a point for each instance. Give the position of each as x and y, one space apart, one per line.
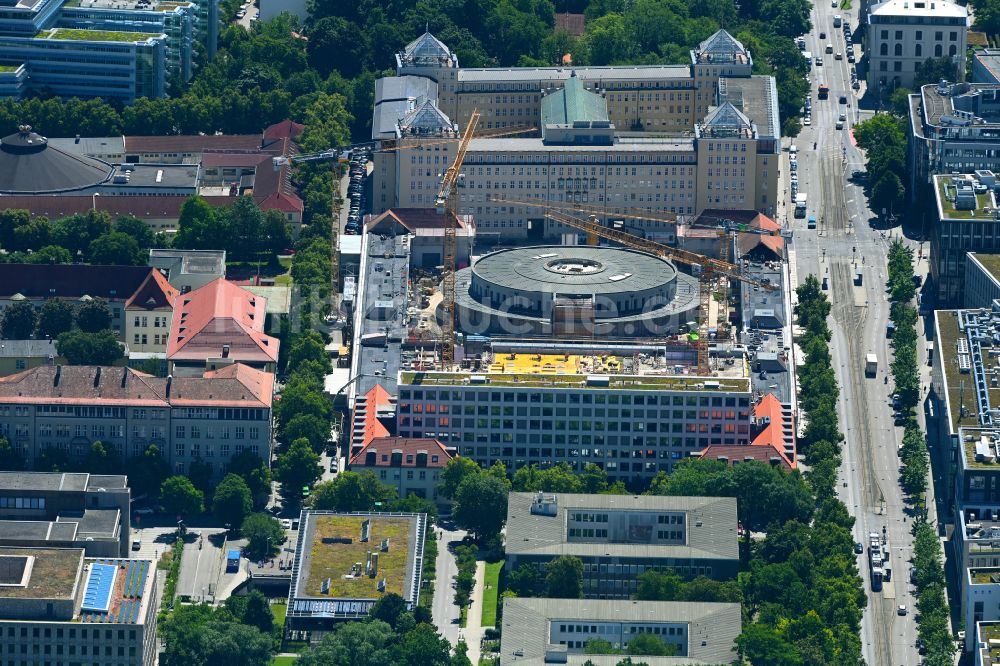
443 609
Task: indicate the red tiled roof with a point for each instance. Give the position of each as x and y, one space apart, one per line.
155 293
220 313
234 386
286 203
384 447
72 280
765 223
366 414
286 129
193 143
748 242
738 453
772 435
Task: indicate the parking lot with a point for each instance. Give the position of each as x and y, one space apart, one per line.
357 203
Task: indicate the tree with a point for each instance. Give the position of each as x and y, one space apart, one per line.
76 232
50 254
200 473
10 459
310 427
388 609
93 315
215 642
353 644
593 479
297 468
54 318
258 612
481 505
659 586
352 491
276 233
423 646
646 643
455 471
198 226
564 577
79 348
147 471
232 502
52 459
255 473
608 41
18 321
526 581
179 497
888 193
263 534
599 646
103 459
557 479
136 229
115 248
933 70
414 503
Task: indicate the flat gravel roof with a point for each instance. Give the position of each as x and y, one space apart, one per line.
568 269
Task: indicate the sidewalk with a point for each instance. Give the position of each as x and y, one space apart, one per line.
473 627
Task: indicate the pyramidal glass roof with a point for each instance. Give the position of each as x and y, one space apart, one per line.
726 116
722 43
427 47
426 118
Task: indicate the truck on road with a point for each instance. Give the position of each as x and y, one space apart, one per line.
800 204
871 365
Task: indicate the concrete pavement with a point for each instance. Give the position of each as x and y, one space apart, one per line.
201 568
473 624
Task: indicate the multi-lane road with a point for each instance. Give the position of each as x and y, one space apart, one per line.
845 242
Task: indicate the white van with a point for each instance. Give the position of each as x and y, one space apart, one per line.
793 149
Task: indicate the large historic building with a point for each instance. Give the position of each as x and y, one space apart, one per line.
666 138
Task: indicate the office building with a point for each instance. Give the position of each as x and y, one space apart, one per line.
632 425
556 631
954 128
345 562
664 138
967 221
139 298
987 637
114 49
58 607
982 280
65 510
411 466
217 325
209 418
902 34
619 536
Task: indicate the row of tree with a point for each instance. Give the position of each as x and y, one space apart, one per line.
241 631
905 376
242 229
883 138
932 605
92 236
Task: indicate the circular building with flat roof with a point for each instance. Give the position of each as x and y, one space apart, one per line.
29 165
574 291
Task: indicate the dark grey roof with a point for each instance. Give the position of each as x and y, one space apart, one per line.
710 526
394 97
427 46
426 118
29 164
727 116
70 481
711 632
27 348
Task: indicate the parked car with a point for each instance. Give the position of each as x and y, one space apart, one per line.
901 610
858 548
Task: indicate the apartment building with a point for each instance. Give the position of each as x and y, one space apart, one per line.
119 49
411 466
902 34
211 417
58 607
618 537
218 325
968 220
556 631
139 297
662 138
954 128
632 426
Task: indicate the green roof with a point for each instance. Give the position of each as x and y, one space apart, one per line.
9 68
573 103
990 262
98 35
947 208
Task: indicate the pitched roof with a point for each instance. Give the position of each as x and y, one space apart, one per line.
366 425
286 203
383 449
427 46
426 118
573 103
769 413
144 207
413 219
234 386
726 116
738 453
218 314
286 129
721 42
155 293
748 242
192 143
71 280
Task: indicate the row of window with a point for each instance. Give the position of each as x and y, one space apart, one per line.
196 432
598 412
586 398
22 502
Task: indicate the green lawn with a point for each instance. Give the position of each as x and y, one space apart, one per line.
279 610
491 588
99 35
282 661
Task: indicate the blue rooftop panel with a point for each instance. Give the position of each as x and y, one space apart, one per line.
100 583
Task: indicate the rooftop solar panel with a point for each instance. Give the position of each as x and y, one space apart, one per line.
100 583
